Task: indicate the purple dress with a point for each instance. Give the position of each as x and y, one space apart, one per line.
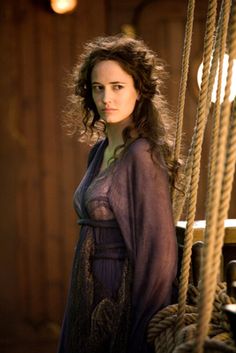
126 259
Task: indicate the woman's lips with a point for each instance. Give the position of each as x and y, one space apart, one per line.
108 110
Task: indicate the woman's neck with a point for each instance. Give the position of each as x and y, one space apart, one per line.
114 135
115 139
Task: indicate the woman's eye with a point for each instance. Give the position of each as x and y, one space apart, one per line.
97 88
117 87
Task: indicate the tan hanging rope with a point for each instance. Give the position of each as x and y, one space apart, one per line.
180 198
212 157
215 58
179 204
182 89
162 326
221 190
216 112
200 126
218 56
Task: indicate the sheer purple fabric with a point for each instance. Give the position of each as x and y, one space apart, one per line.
134 194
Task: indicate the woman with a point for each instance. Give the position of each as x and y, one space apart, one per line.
126 259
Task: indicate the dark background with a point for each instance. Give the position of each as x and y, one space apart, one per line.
41 166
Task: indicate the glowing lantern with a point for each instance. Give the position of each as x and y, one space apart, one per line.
224 77
63 6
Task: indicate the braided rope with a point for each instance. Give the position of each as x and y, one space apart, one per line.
170 311
162 326
164 340
180 198
159 343
182 88
161 331
215 57
184 76
200 126
218 208
210 346
188 333
221 44
170 338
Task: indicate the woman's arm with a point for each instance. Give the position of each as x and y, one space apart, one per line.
141 203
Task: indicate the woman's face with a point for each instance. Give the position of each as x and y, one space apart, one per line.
113 91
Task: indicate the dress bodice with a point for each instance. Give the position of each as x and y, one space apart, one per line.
91 197
96 197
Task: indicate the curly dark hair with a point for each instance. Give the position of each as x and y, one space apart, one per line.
151 117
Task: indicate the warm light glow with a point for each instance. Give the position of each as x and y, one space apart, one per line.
63 6
224 77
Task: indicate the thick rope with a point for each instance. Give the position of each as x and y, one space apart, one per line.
210 346
184 277
184 76
162 334
156 327
182 88
161 331
180 199
215 57
228 179
214 241
220 45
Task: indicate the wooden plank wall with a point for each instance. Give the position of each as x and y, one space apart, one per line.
41 165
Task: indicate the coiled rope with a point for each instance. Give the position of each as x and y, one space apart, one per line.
161 330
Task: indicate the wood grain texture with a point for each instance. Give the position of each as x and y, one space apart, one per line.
41 166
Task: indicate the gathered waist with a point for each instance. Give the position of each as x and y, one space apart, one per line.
110 223
108 245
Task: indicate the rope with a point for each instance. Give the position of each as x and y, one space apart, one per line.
216 53
161 331
182 88
218 206
210 346
163 319
209 329
216 112
180 199
200 126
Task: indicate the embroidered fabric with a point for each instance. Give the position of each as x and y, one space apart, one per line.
121 274
100 315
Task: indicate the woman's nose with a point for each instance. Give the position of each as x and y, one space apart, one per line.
106 96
